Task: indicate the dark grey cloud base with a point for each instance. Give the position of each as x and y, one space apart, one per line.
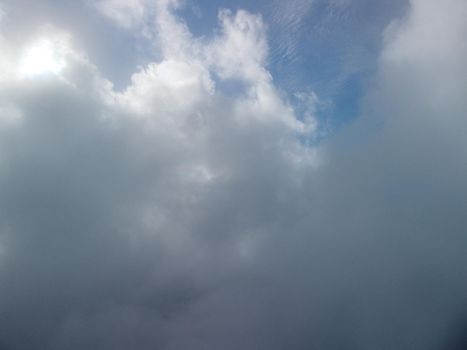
113 235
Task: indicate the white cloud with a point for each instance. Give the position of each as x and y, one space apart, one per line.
169 93
241 49
422 50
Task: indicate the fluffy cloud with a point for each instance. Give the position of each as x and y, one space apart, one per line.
119 207
176 214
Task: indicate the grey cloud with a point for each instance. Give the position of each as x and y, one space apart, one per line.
208 226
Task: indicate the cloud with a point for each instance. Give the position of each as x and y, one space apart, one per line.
2 13
241 49
126 13
114 205
174 215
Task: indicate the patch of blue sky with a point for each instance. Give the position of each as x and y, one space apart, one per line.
328 46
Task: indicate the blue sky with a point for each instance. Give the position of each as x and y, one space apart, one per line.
329 47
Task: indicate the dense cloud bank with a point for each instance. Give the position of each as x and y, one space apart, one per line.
188 212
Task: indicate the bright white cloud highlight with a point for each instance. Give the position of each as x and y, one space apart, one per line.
41 58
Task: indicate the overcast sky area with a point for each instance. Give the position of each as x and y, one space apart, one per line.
218 175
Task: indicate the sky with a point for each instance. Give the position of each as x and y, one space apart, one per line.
209 174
